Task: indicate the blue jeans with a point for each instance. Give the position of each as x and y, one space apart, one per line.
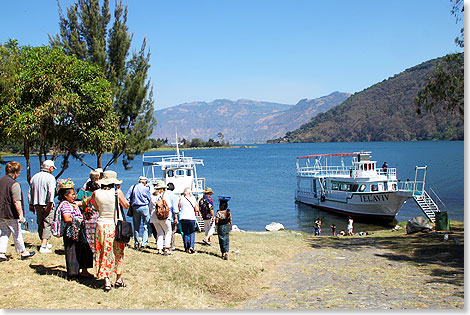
188 228
141 213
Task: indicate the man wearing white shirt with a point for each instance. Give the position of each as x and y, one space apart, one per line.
41 201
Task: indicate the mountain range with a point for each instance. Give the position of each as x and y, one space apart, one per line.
383 112
241 121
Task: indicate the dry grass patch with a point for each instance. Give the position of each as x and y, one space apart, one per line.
179 281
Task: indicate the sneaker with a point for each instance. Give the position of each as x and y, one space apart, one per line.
49 245
45 250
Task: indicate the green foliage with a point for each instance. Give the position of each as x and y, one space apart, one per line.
55 102
84 33
383 112
445 88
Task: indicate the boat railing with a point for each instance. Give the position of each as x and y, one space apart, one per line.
199 184
323 171
170 160
391 173
416 187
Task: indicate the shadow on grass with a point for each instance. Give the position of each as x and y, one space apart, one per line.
442 260
59 272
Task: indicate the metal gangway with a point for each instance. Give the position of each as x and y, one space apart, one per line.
421 196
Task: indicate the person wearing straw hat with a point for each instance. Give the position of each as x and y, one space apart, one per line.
41 201
206 206
109 254
78 254
162 226
139 197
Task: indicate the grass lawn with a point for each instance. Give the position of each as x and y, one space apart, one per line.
203 280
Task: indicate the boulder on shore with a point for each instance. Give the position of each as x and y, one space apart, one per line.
236 229
274 227
418 224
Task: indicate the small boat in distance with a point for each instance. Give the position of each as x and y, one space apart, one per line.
359 189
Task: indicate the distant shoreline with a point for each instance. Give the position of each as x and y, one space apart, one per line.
10 154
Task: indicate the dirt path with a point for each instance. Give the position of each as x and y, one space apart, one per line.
359 275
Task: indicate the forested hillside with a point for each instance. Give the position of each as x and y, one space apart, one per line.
383 112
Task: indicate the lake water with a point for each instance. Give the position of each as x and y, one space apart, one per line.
262 180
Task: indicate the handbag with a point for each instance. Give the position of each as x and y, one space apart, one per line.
123 228
130 211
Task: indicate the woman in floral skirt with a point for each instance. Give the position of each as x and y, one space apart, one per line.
109 254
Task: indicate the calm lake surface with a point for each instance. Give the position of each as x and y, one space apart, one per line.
262 180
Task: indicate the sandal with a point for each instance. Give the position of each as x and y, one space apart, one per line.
120 283
107 286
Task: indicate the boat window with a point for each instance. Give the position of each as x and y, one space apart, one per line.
394 186
334 186
188 173
170 173
362 188
180 172
344 187
353 187
374 188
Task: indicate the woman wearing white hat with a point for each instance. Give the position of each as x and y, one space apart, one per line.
109 254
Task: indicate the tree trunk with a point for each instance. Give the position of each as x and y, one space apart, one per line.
26 154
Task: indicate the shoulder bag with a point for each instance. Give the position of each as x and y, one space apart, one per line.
123 228
130 211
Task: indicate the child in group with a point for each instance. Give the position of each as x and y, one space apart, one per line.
317 227
350 226
333 229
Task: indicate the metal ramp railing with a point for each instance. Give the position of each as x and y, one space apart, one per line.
200 222
422 198
427 205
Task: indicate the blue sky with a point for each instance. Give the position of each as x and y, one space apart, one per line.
278 51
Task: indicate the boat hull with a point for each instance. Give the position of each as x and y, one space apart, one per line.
377 206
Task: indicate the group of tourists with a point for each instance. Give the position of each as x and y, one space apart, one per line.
86 219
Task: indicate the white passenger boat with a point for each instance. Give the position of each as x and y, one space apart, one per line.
177 169
359 189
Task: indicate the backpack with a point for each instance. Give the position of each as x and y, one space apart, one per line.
162 210
58 224
205 209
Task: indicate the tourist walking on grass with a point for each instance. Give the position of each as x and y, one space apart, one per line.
109 254
160 217
223 221
41 201
174 213
139 198
11 212
206 206
78 255
188 208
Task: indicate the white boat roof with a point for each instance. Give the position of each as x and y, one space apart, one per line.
332 154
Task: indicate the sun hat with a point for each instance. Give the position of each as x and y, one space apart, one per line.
110 177
65 183
143 178
159 184
99 170
208 191
47 164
